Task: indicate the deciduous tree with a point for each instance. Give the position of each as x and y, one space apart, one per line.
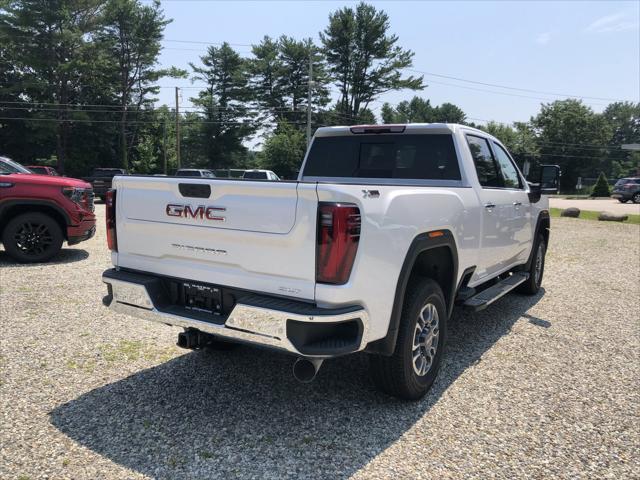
283 151
571 135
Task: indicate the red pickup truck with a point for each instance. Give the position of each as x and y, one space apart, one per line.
39 212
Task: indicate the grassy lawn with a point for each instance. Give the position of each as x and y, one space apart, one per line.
589 215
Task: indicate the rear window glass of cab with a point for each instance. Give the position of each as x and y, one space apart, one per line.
405 156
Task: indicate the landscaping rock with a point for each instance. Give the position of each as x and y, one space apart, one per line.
572 212
612 217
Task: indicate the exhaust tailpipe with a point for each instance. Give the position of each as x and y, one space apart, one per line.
306 369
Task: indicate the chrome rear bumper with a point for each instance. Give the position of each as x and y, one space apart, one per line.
261 325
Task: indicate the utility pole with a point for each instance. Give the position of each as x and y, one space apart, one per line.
177 128
164 145
309 85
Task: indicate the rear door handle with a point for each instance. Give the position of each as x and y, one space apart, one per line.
517 204
489 205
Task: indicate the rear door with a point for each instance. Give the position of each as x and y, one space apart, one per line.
255 235
513 183
500 224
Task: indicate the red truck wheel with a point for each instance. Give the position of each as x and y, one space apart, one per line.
32 237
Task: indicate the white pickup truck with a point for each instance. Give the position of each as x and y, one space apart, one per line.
385 230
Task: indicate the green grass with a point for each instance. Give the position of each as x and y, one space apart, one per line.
589 215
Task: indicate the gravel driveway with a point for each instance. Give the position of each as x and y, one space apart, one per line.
533 386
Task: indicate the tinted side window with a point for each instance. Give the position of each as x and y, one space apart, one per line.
255 175
403 156
510 175
486 168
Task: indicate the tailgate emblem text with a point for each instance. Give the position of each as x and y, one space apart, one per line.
200 212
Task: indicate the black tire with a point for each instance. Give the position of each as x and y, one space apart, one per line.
622 200
397 374
532 285
32 237
636 197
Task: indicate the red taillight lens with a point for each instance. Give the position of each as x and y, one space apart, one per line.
338 237
112 240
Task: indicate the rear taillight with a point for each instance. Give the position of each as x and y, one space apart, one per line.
112 240
338 237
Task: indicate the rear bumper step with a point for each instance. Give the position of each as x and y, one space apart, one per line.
296 327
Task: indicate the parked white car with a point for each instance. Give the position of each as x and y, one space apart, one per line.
195 172
260 175
385 230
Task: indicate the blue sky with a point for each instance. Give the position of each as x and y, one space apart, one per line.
587 49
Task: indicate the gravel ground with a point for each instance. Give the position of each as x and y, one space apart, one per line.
533 386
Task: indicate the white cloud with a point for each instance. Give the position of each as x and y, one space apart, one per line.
543 38
616 22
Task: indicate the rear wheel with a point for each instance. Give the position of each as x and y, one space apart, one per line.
622 200
32 237
412 369
536 270
636 197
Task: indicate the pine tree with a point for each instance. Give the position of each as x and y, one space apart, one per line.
223 104
601 188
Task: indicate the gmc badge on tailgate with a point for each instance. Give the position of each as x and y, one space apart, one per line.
200 212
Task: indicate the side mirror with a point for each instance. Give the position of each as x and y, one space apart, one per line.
550 179
549 183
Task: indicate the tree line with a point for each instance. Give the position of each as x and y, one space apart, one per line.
80 80
566 132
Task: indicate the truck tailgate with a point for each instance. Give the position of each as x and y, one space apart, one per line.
253 235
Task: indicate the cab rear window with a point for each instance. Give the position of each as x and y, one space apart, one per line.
428 157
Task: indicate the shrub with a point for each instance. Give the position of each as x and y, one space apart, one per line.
601 188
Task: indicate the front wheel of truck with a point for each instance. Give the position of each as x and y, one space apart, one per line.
413 367
32 237
536 270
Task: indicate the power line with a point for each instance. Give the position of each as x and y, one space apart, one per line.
132 122
440 75
414 70
506 93
198 42
135 110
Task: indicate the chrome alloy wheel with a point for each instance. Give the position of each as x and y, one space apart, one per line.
425 339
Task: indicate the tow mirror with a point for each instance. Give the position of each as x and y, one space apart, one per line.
549 183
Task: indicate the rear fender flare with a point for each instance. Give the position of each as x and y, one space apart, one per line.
420 244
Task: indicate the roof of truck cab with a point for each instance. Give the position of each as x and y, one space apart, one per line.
409 128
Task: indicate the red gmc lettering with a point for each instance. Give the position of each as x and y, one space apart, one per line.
201 212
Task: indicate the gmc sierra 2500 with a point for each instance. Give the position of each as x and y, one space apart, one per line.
387 228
